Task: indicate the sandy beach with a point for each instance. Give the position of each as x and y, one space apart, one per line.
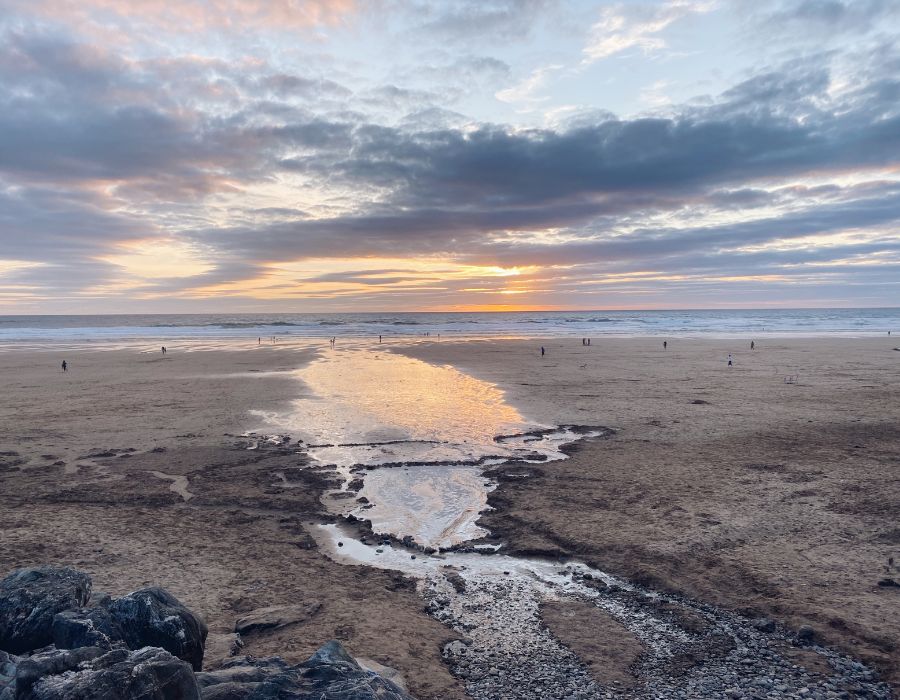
725 484
236 546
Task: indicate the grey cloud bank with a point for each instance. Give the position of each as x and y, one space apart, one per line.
239 156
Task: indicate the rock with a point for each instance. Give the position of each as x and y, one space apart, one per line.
457 581
153 617
386 672
51 662
30 598
329 673
233 691
764 624
276 617
86 627
455 648
150 617
90 674
805 635
242 670
7 676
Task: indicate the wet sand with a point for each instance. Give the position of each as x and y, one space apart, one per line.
102 456
722 483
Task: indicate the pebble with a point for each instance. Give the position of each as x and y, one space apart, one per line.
508 653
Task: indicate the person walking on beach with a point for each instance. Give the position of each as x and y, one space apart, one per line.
665 344
163 349
542 350
379 338
65 366
729 360
752 345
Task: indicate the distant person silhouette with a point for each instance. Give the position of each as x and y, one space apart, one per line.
65 366
752 345
379 338
729 360
665 344
163 349
542 350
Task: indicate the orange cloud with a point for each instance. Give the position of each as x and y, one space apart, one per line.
197 15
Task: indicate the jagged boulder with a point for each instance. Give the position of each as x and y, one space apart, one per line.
153 617
87 627
329 674
91 673
29 600
150 617
147 645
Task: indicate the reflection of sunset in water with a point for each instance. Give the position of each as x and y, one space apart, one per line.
380 396
432 424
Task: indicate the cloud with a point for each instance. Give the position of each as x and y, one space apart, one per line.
825 16
193 15
248 164
622 27
525 90
462 20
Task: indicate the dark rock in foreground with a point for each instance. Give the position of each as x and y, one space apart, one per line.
30 598
152 617
86 627
146 646
7 676
91 673
329 674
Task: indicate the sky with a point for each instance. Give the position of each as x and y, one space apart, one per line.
368 155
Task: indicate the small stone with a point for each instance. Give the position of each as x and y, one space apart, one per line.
805 635
764 624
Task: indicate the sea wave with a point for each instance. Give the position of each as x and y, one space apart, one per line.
226 324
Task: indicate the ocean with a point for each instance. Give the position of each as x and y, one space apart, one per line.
163 328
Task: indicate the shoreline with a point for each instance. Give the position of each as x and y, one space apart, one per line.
288 340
